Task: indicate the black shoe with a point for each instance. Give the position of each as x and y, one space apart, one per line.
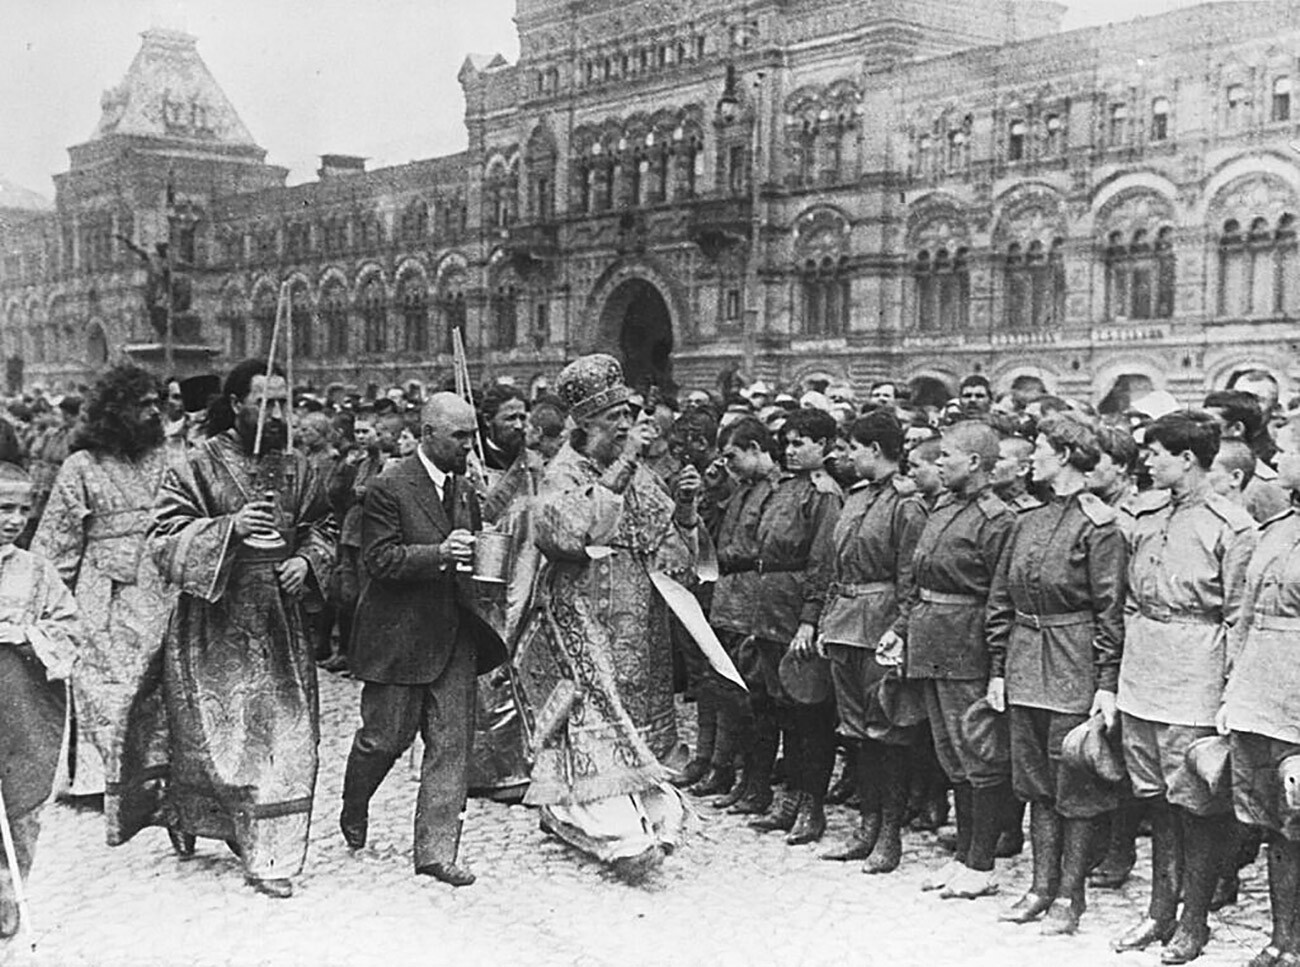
691 773
277 889
448 873
1185 945
717 781
753 803
1143 934
860 844
1027 909
183 843
780 817
888 852
233 846
635 870
810 823
354 829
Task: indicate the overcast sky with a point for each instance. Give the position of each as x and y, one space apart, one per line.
368 77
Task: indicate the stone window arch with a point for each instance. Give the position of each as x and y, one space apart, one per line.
373 302
414 224
1033 284
1257 267
1160 109
414 298
540 158
941 290
826 297
1140 274
334 317
264 305
451 303
500 194
301 321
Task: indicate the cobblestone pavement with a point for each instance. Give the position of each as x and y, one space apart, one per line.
729 896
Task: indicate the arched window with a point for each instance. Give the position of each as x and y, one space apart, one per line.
1119 128
1016 141
300 320
1258 267
1140 275
941 291
231 322
334 318
264 318
415 315
957 141
415 222
1235 98
540 160
334 235
826 298
1033 285
505 314
1054 132
372 232
96 345
374 315
500 193
1160 119
1280 107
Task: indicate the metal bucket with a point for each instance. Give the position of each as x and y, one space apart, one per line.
491 557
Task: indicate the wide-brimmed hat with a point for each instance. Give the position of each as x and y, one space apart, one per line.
807 680
1206 762
985 733
590 384
902 700
1087 746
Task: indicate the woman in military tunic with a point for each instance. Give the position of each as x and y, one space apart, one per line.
1055 627
1261 708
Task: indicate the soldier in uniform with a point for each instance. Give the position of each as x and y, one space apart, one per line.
1055 633
797 522
749 452
942 641
871 572
1259 707
1011 474
1186 568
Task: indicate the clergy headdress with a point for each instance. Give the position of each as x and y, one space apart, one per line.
592 383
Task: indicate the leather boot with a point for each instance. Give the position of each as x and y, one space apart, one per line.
1045 837
846 785
1166 874
363 775
888 851
1283 898
1204 842
1011 840
810 823
758 798
1228 883
864 765
1063 918
963 806
782 814
1121 849
988 809
735 735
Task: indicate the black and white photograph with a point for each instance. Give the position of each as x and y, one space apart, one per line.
615 483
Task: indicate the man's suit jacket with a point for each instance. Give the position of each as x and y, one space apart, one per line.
414 606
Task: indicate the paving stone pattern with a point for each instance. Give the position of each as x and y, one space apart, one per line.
729 896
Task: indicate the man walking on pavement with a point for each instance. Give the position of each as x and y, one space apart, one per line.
418 646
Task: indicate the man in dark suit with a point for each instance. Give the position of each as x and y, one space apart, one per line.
417 645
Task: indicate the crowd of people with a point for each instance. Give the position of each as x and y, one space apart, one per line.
986 608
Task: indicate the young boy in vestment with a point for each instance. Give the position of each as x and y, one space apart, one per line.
39 635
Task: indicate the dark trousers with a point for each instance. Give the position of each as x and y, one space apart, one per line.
443 713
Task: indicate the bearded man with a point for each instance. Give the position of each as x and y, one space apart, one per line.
595 662
93 531
244 534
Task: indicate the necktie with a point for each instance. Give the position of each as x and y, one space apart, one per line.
449 497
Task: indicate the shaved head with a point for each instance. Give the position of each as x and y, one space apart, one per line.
973 437
441 409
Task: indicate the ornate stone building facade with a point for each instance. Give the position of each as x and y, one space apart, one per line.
905 187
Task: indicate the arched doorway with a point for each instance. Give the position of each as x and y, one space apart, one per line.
637 319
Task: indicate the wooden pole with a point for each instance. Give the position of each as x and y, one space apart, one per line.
11 858
270 370
288 362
